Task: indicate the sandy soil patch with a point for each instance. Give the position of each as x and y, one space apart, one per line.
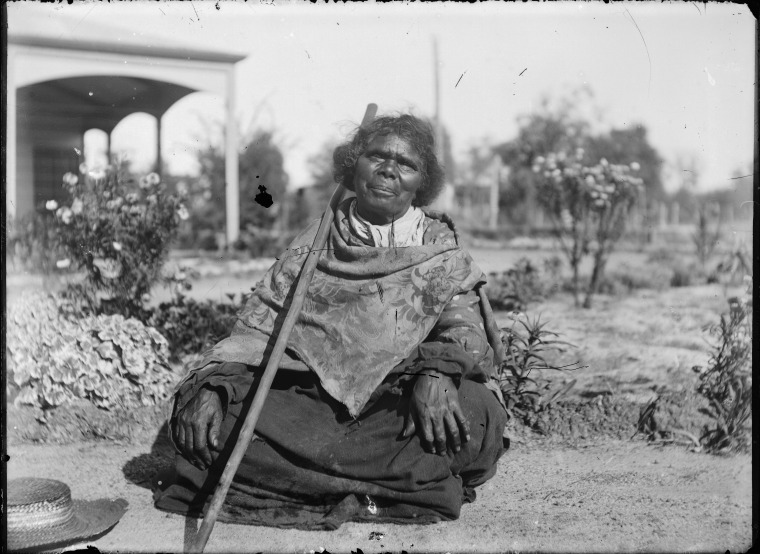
600 496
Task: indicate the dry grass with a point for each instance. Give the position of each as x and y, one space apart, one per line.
633 344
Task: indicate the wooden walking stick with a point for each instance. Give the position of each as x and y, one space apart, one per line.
246 432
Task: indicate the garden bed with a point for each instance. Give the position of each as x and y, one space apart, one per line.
631 349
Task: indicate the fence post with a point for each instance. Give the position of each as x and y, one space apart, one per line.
663 215
496 176
729 213
635 218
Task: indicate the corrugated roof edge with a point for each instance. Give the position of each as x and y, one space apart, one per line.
130 49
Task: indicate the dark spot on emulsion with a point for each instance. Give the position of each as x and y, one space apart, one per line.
263 198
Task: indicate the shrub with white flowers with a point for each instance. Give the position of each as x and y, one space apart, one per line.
119 232
588 206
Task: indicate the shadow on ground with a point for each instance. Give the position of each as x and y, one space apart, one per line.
142 470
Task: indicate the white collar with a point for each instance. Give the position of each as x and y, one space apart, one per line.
404 231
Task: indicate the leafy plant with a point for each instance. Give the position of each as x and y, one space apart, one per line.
515 288
671 417
107 359
523 284
527 343
628 278
660 255
727 382
735 264
32 246
119 233
553 271
588 206
191 326
708 232
688 274
262 243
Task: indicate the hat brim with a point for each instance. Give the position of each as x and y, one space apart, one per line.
91 518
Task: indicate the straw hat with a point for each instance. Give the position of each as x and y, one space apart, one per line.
41 513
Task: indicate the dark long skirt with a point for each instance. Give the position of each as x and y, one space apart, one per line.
311 466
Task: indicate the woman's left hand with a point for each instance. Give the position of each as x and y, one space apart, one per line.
435 412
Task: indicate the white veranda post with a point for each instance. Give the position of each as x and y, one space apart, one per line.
231 164
10 143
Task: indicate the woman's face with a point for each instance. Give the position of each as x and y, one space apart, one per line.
386 179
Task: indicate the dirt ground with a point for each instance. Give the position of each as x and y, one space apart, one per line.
598 496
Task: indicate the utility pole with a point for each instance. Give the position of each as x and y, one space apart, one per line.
493 197
437 85
444 201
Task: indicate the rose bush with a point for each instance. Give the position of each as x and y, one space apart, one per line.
119 232
588 206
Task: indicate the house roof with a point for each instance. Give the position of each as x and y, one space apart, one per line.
42 26
101 100
174 52
96 101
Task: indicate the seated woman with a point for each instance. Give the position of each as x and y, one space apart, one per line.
385 406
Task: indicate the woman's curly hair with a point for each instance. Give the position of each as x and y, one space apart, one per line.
417 132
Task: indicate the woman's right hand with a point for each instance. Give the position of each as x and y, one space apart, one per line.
435 413
197 428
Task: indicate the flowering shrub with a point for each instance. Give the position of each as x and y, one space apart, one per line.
734 264
684 272
526 344
588 206
262 243
119 233
109 360
727 382
32 245
514 289
627 278
191 326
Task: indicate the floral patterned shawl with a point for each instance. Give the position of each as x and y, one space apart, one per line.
366 309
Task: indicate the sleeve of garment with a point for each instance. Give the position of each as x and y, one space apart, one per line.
458 346
234 379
